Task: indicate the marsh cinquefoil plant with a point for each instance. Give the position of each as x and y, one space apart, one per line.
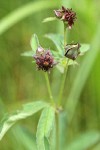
46 60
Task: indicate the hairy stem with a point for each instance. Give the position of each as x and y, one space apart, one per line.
49 88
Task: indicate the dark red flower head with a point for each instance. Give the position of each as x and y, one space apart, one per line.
44 59
66 15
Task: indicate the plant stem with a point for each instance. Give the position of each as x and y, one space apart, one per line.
49 88
65 71
63 83
61 93
57 131
65 37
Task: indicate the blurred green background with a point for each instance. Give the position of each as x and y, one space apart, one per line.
21 83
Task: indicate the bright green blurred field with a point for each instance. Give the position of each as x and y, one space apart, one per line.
20 82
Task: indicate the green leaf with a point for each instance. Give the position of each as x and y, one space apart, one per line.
28 54
63 126
44 126
56 54
85 141
27 110
53 137
34 42
47 145
49 19
23 136
57 39
84 48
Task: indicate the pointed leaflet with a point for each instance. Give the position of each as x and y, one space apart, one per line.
44 126
27 110
28 54
84 48
34 43
49 19
57 39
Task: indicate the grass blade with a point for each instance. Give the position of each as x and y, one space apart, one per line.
85 141
23 12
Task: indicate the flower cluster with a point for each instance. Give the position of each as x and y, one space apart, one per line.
44 59
66 15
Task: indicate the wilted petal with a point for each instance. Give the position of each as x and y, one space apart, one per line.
58 13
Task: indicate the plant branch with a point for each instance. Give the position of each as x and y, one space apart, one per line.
65 37
65 71
63 83
49 88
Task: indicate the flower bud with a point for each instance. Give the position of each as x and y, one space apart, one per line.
72 51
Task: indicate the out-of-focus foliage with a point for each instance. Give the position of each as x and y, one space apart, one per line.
21 83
